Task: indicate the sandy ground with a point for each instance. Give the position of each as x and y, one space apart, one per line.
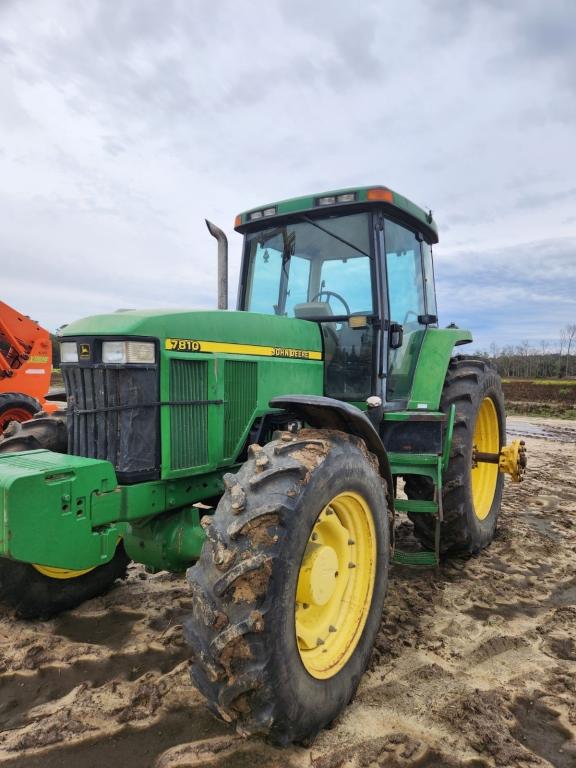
474 666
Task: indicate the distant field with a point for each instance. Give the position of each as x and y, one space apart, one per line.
541 397
540 382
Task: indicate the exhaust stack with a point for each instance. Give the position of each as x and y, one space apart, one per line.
222 263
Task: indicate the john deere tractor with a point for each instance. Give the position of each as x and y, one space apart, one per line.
291 420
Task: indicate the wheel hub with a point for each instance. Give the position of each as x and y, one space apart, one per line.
335 585
318 574
13 414
60 573
486 440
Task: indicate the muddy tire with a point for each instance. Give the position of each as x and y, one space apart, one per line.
470 514
42 431
248 661
16 407
33 594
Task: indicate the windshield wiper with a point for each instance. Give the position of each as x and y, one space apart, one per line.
335 236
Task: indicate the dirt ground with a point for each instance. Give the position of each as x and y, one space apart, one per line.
474 666
538 397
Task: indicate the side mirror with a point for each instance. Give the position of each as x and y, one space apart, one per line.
396 335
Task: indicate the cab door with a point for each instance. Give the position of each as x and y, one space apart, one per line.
406 307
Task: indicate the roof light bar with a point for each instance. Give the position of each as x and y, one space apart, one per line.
345 197
255 215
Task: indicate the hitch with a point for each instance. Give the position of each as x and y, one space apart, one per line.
511 460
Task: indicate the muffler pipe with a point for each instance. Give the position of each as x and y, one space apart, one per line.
222 263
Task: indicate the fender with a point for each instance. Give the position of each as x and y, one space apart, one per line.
326 413
433 361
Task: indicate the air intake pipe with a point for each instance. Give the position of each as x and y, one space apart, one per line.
222 263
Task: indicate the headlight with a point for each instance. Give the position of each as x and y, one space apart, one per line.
128 352
68 352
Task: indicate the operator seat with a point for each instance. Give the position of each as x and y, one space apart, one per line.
312 309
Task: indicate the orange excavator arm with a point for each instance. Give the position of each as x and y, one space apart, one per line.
25 355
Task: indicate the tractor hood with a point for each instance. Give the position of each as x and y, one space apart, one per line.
245 328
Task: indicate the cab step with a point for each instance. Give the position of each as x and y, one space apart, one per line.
415 559
413 505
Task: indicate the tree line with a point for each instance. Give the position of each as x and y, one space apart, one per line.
547 360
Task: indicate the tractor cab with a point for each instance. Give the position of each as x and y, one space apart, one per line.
358 263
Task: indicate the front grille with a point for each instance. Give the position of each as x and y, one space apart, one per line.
188 423
240 396
113 415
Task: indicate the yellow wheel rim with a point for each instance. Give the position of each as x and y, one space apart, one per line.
335 585
486 440
59 573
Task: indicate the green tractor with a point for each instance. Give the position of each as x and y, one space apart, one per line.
258 452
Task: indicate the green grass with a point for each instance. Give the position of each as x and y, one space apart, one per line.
554 382
549 411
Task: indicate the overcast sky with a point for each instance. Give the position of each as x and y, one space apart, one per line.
123 124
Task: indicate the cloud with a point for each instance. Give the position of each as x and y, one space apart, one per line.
522 292
123 125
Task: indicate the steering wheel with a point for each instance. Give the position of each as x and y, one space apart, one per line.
336 296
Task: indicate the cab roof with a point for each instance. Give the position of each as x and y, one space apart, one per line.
341 201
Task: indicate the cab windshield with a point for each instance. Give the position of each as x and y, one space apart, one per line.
312 268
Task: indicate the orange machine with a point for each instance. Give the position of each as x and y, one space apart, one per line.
25 367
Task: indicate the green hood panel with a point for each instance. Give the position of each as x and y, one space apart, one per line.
208 325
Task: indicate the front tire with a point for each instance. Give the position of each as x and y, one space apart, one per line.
289 590
36 591
39 592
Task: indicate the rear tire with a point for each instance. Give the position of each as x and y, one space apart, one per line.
470 513
16 407
247 624
32 593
